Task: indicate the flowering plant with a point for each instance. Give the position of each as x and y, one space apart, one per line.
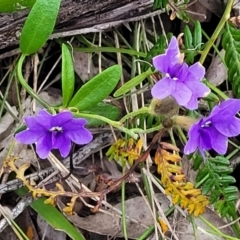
213 131
54 132
181 82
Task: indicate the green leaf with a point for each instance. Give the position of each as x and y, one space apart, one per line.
230 190
188 40
201 174
55 218
197 35
132 83
207 186
214 196
222 169
68 78
15 5
96 89
159 4
104 110
226 180
231 45
219 160
39 25
197 161
232 198
224 210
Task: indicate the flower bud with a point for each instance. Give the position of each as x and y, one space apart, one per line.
167 107
183 122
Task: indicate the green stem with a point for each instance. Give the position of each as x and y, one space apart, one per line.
124 222
216 231
225 17
149 130
133 114
130 52
216 90
26 86
115 124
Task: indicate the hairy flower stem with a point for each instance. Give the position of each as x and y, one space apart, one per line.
27 87
133 114
115 124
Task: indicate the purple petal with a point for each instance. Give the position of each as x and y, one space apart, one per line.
192 143
29 136
44 145
32 124
219 141
181 93
232 106
172 56
43 118
81 136
63 143
163 88
196 72
228 126
205 140
192 103
74 124
198 89
180 71
61 118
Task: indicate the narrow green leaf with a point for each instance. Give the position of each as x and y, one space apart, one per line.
219 160
132 83
98 88
226 180
222 169
55 218
230 190
104 110
197 35
201 174
214 196
224 210
68 78
211 97
197 161
15 5
232 198
188 40
207 186
39 25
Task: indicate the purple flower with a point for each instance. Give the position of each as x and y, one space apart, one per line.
180 81
54 132
213 131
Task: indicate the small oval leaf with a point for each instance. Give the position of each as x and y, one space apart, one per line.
188 40
98 88
68 78
39 25
207 186
197 35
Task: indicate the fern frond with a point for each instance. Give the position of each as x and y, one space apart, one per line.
215 179
231 45
182 192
